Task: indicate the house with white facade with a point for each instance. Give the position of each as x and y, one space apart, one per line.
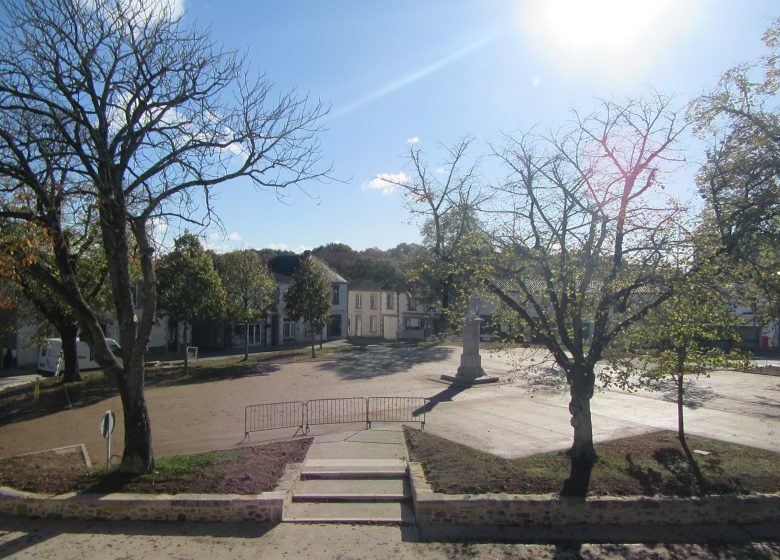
383 311
282 329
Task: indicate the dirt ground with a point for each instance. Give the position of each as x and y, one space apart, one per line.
250 470
64 540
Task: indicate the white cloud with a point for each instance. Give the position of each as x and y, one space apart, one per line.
173 9
440 170
386 182
285 247
536 81
413 140
234 236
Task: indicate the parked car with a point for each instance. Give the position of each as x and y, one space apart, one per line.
49 355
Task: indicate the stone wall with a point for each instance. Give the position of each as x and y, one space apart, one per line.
266 507
551 510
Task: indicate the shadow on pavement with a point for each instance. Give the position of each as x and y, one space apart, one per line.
442 396
377 361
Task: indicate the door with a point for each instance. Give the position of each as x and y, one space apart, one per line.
358 325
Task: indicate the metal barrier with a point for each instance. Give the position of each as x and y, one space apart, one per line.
397 409
274 416
302 415
336 411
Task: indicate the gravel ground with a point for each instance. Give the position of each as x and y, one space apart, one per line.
78 540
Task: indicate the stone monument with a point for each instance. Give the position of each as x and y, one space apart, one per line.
470 371
470 360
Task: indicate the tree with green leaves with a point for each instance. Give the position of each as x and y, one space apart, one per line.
309 296
690 334
189 288
740 179
122 110
444 202
22 245
250 290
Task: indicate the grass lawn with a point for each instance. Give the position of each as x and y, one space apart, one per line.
250 470
651 464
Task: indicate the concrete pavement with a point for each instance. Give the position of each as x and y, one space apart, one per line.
525 414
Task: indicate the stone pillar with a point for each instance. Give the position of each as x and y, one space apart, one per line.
470 361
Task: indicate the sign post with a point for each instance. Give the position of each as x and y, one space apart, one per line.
106 428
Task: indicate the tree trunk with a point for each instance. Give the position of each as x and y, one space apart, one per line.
680 378
582 454
186 354
70 354
312 341
246 341
137 457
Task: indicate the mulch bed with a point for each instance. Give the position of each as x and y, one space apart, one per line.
250 470
650 464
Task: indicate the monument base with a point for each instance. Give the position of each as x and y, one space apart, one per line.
469 381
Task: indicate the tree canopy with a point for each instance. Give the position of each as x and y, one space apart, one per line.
250 290
309 296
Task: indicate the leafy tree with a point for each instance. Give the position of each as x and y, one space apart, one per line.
683 338
583 230
338 256
309 296
189 288
116 108
36 301
741 177
250 289
445 202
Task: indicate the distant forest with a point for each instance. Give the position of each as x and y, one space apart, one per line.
370 265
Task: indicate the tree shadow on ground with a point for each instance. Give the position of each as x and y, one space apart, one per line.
377 361
695 396
59 397
542 378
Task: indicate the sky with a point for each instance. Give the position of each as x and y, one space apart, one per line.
427 73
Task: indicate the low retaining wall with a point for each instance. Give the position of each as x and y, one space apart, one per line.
552 510
265 508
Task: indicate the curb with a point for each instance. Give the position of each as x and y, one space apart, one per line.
267 507
552 510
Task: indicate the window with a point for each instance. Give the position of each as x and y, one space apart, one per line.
372 303
412 323
358 301
335 295
372 324
288 330
412 304
390 301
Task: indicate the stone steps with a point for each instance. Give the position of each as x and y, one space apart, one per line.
351 491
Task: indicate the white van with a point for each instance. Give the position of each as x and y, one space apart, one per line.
49 355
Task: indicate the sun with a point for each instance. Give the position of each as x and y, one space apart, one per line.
613 38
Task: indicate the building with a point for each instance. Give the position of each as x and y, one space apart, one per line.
383 311
282 329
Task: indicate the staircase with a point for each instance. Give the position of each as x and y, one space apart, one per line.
342 485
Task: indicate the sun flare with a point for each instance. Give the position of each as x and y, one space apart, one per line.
615 38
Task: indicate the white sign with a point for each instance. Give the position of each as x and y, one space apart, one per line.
107 424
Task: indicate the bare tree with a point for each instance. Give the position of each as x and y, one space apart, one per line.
114 110
445 200
583 231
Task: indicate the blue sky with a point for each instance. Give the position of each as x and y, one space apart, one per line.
431 72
